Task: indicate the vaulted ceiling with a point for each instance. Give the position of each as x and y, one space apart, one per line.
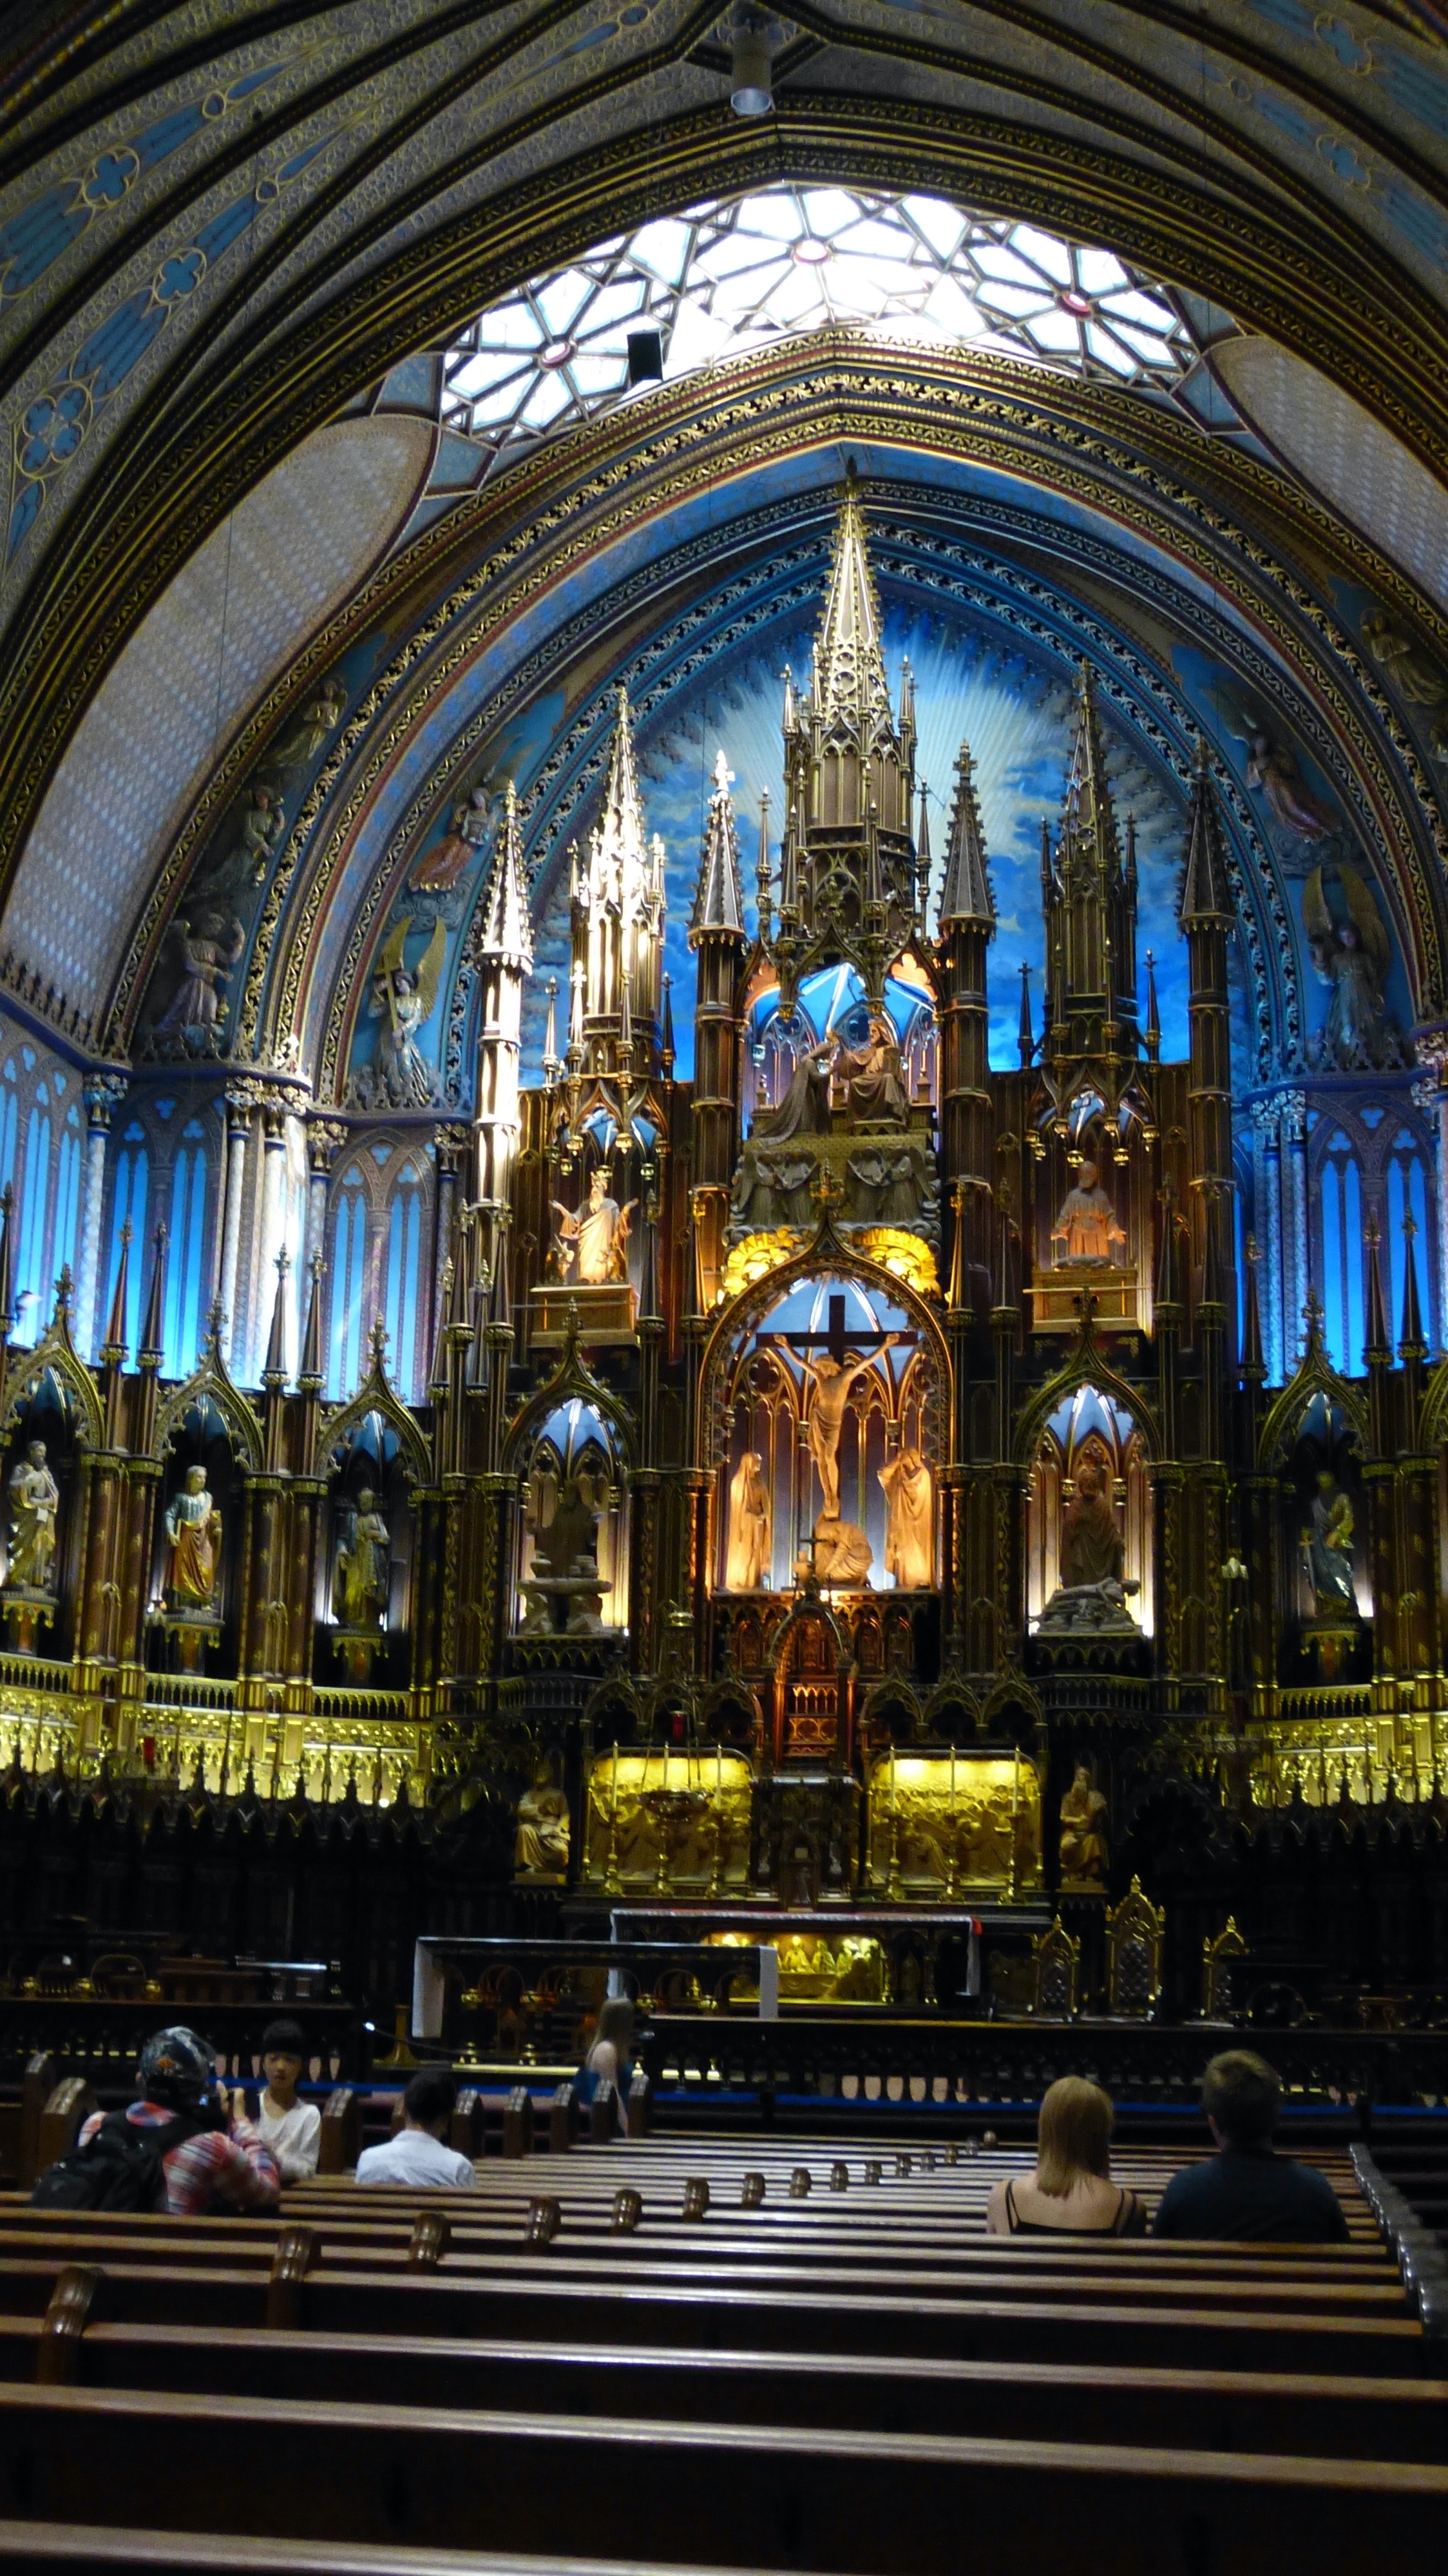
224 227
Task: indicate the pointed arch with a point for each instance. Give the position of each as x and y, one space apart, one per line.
1313 1375
376 1395
211 1381
55 1353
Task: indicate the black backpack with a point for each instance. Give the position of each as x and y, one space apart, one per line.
118 2168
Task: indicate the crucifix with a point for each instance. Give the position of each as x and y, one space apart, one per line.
832 1374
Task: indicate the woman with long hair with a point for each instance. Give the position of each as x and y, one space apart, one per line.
608 2060
1071 2192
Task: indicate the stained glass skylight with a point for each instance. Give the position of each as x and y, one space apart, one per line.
739 274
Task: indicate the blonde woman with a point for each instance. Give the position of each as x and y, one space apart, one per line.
1071 2192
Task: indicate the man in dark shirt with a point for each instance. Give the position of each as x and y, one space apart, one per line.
1246 2190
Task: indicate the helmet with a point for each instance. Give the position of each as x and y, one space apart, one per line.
177 2067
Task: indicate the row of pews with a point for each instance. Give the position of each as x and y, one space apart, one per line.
709 2355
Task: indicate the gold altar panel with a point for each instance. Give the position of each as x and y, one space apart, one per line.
671 1822
813 1969
950 1824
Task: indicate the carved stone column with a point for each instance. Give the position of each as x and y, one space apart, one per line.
103 1094
239 1107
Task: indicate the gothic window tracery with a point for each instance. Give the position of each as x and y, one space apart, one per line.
130 1203
30 1279
186 1252
1341 1204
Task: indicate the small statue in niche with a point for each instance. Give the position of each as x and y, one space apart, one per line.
873 1077
909 1521
591 1247
751 1526
838 1553
1087 1224
193 1533
34 1503
360 1582
805 1107
1083 1849
263 828
540 1849
1272 767
468 835
1091 1594
1327 1551
1354 958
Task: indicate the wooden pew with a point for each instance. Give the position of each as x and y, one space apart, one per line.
859 2504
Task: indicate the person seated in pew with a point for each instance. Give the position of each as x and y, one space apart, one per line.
608 2060
418 2155
217 2157
1071 2192
1246 2190
291 2128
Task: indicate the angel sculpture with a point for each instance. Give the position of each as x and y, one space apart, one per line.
470 831
403 999
1353 957
317 720
1413 673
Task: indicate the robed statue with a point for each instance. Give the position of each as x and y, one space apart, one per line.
540 1848
193 1533
1092 1590
360 1583
1087 1224
1083 1847
1354 957
34 1502
872 1078
1327 1550
591 1247
751 1529
909 1521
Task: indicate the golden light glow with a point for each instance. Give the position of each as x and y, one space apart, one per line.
754 1258
908 1256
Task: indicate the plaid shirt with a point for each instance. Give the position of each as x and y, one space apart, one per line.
236 2169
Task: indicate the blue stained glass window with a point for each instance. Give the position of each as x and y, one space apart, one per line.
31 1283
67 1193
185 1284
404 1232
349 1279
133 1179
8 1126
1407 1196
1342 1257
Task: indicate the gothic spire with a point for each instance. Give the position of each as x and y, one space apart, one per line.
966 893
1254 1366
1379 1343
719 896
507 915
849 660
1412 1341
275 1371
1088 817
1206 895
153 1336
309 1375
113 1348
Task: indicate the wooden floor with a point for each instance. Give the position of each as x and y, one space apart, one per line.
828 2367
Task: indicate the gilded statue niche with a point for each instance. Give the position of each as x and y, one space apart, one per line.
668 1822
825 1427
1088 1524
943 1824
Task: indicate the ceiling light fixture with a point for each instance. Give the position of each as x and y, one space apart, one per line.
753 37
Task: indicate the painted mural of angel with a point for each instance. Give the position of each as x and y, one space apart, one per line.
403 999
1354 958
198 1007
263 828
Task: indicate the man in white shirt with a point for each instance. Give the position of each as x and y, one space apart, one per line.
292 2129
417 2154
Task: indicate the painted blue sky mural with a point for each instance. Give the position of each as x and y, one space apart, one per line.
1013 708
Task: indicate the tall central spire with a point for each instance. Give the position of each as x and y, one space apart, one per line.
848 885
618 905
1089 899
850 686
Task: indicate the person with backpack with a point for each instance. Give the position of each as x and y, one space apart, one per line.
183 2147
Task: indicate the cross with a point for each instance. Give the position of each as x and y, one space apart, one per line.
836 1340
